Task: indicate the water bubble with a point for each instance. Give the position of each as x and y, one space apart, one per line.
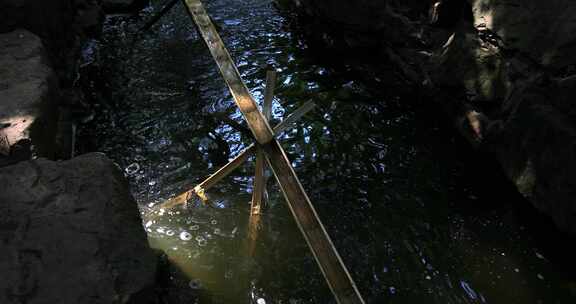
160 230
185 236
200 238
152 183
194 284
194 227
541 277
149 223
132 169
217 231
169 233
214 222
202 243
261 301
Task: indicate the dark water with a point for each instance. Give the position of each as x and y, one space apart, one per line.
414 215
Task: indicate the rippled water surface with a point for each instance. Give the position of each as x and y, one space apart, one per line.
412 214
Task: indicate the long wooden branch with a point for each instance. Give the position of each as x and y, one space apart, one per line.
256 121
260 180
326 255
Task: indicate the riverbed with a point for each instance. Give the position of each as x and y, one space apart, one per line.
415 215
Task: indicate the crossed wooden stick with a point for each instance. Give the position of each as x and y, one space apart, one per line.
268 150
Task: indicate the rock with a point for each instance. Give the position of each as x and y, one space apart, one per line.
51 20
515 62
71 233
123 6
358 24
59 23
504 70
537 149
543 30
27 92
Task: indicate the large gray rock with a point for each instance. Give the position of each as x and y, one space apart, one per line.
70 232
59 23
544 30
516 62
28 92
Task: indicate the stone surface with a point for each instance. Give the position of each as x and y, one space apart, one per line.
544 30
71 233
505 70
123 6
51 20
27 92
514 62
359 23
61 24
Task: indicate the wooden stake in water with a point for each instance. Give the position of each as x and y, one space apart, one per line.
260 181
256 121
333 268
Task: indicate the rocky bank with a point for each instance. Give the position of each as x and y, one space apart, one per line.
70 230
504 71
71 233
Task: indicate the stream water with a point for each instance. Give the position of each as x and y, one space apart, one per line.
414 216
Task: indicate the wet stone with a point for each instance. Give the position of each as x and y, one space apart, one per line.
27 93
71 224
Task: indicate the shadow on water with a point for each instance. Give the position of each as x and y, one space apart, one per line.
416 216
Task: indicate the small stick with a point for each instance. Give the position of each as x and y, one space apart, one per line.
259 186
269 94
260 180
237 161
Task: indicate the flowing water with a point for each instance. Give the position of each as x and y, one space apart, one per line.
413 215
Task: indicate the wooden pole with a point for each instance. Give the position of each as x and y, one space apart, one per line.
256 121
259 186
269 94
260 180
326 255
